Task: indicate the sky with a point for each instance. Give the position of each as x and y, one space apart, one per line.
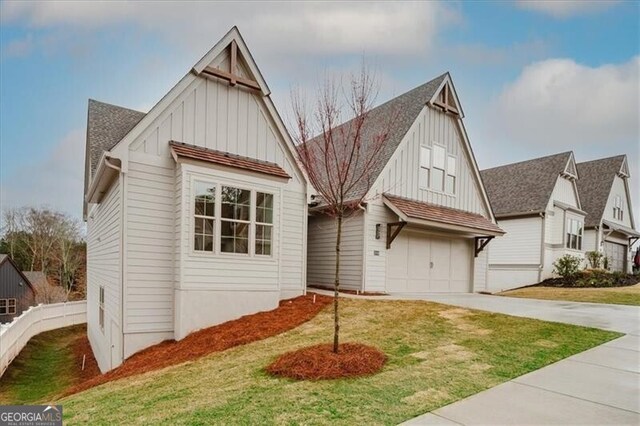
534 78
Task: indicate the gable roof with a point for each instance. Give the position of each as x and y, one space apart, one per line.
106 125
594 185
524 187
6 258
405 109
36 277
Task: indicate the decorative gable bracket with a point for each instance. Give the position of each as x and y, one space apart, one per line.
393 229
447 101
624 169
231 75
481 243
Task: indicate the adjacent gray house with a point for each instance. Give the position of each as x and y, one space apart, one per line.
16 292
609 226
538 204
426 217
196 211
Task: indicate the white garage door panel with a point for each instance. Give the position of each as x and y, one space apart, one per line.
417 263
616 254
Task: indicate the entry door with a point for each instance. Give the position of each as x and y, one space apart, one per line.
617 254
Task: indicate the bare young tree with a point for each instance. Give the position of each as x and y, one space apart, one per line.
342 158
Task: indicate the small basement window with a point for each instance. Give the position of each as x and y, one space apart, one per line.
574 234
101 308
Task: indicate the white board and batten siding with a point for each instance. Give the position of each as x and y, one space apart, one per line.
401 175
189 286
321 251
618 188
401 178
104 270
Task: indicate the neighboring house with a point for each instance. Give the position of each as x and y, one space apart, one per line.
426 217
537 203
196 211
610 228
16 292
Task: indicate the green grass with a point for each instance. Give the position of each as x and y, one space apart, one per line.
43 369
437 354
615 295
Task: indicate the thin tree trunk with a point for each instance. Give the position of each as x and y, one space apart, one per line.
336 318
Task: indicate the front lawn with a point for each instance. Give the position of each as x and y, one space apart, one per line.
616 295
50 363
437 354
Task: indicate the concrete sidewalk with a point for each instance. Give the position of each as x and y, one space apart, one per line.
596 387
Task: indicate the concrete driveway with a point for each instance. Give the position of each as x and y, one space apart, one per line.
596 387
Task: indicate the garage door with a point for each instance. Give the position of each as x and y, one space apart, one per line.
617 254
417 263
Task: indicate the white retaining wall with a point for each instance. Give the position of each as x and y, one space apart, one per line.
37 319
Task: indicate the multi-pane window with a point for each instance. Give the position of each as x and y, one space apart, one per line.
264 223
438 171
617 208
235 220
101 308
204 216
425 165
7 306
451 175
574 234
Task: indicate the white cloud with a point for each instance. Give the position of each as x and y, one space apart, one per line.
566 8
559 101
55 181
18 47
284 28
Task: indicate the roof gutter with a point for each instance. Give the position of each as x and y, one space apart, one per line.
108 169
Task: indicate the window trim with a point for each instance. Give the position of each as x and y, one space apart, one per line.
443 191
250 221
256 223
192 177
8 305
569 233
101 310
193 215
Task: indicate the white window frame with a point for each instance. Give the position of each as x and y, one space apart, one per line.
618 208
248 222
194 216
429 168
569 233
101 313
453 174
265 224
217 233
9 303
425 167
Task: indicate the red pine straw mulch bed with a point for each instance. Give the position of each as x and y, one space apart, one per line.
82 348
319 362
250 328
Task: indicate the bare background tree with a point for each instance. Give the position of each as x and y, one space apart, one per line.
40 239
342 158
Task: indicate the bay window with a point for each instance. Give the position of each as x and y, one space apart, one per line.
227 219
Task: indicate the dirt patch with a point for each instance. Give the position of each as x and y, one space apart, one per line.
426 396
250 328
459 318
456 352
319 362
82 350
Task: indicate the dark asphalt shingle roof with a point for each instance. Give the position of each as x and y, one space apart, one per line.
405 109
523 187
594 185
106 125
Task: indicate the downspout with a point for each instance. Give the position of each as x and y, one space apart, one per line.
122 257
364 246
542 234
